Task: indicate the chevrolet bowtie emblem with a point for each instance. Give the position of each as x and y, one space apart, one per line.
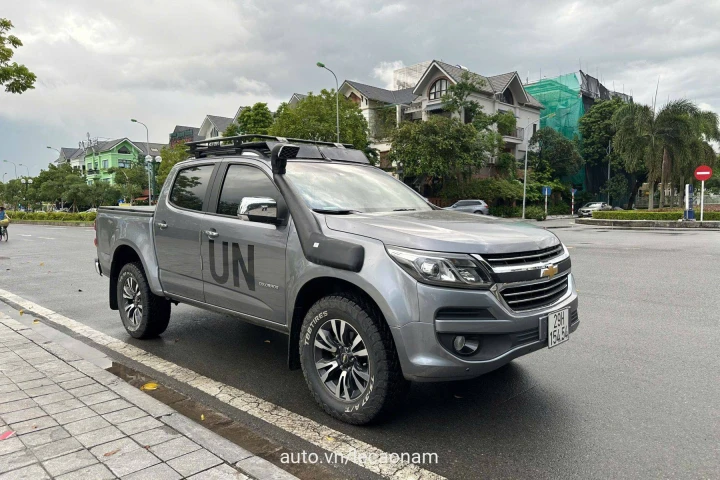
549 271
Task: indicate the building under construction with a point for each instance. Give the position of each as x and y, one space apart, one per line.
568 97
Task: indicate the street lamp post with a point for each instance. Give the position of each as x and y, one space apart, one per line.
26 168
8 161
527 147
148 163
337 100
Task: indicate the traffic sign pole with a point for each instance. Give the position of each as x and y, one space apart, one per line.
702 173
546 204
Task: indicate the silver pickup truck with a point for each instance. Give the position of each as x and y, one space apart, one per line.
374 286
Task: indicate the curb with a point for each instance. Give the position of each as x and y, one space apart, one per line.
58 223
649 224
251 465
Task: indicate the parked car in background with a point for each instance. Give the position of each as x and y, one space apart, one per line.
91 210
470 206
587 209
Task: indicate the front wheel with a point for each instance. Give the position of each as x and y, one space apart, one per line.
478 212
4 235
349 359
144 314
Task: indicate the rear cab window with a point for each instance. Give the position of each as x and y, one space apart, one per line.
190 186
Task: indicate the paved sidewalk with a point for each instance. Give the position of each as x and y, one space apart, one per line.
66 418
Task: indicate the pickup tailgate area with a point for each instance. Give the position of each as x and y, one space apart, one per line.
127 233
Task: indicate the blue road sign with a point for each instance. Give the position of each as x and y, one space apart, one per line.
573 191
546 191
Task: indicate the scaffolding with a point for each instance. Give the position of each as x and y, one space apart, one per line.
408 77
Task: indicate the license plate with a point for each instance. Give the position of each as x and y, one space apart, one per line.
558 327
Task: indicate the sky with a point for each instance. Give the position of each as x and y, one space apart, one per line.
167 63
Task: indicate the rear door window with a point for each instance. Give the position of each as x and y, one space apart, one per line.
190 187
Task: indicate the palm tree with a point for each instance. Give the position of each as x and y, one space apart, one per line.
669 143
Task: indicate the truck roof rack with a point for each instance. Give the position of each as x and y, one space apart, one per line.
263 144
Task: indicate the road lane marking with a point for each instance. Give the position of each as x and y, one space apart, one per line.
47 238
345 446
24 235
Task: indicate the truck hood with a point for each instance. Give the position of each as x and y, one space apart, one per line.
445 231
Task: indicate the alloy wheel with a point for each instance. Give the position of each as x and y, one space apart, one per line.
133 302
341 359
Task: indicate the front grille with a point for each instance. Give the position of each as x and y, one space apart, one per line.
463 313
522 258
536 295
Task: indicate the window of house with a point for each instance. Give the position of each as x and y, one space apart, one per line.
190 187
438 89
507 97
89 166
105 164
124 149
243 182
534 128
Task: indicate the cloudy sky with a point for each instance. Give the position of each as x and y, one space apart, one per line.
100 63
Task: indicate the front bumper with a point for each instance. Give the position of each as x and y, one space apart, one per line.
98 268
505 334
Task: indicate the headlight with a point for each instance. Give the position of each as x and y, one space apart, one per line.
446 269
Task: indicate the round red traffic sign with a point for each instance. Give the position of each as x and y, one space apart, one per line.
703 173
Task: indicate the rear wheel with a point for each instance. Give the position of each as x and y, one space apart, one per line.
349 359
478 212
4 234
144 314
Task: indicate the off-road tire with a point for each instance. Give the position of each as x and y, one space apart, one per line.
155 312
387 387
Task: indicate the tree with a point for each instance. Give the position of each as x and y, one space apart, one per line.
131 181
313 118
440 147
256 119
554 153
16 78
170 156
50 183
14 191
669 143
617 186
597 130
457 99
103 193
75 191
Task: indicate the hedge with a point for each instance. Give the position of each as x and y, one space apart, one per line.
57 216
649 215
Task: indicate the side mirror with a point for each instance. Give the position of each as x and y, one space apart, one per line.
259 209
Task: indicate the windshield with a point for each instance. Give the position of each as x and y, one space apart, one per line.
593 204
333 186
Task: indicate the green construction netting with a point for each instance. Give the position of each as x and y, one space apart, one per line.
563 104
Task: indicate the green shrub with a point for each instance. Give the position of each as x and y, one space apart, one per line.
651 215
538 213
53 216
559 209
506 211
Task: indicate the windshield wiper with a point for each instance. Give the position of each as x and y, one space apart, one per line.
331 211
404 209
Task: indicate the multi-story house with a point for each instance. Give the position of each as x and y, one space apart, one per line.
98 157
418 95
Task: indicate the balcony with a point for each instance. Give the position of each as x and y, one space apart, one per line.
93 172
516 136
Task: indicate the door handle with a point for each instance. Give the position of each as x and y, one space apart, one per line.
211 234
161 225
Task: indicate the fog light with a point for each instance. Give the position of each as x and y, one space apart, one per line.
465 346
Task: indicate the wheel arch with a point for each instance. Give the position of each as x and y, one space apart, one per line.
122 255
312 291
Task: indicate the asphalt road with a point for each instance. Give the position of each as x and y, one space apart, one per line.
633 394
